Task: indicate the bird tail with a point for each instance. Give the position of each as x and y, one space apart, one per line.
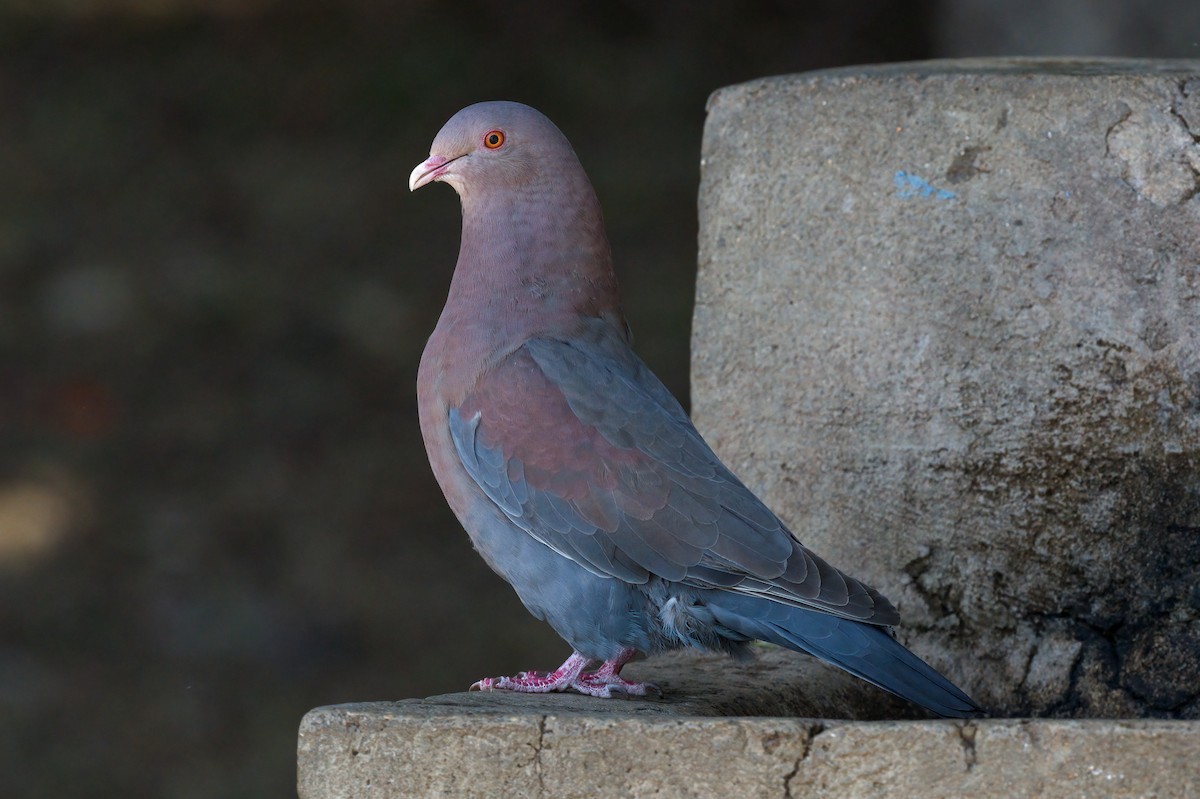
867 651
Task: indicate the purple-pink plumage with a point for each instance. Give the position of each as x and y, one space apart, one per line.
577 475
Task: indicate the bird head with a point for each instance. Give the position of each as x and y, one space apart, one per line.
491 144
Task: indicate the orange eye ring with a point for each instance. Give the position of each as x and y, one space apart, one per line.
493 139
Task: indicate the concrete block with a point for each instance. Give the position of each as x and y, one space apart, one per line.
724 730
948 325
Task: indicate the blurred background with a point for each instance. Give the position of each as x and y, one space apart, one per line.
215 510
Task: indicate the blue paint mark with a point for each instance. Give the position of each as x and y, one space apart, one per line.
909 186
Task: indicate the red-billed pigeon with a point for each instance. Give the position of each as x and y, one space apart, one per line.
579 478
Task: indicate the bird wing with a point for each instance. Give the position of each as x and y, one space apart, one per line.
581 446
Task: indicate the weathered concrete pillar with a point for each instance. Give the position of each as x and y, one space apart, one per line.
948 322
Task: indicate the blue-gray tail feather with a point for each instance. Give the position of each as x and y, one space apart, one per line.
864 650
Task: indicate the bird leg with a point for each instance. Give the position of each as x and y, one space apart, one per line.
606 679
570 675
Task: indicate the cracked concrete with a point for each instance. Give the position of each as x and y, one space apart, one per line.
1187 105
1160 157
607 753
966 733
537 755
806 737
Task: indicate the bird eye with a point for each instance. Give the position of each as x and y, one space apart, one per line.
493 139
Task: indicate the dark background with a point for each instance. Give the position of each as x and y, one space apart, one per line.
215 511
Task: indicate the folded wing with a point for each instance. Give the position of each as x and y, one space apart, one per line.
581 446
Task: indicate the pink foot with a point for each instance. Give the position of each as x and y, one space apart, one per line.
602 682
605 680
537 682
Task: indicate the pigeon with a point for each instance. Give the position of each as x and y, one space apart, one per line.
578 476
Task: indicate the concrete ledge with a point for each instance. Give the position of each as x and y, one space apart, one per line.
382 750
725 729
388 750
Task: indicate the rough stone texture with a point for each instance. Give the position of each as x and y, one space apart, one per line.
726 730
724 737
948 323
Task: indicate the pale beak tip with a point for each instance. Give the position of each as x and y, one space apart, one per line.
427 171
414 180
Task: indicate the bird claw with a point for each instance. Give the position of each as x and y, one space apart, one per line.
536 682
525 682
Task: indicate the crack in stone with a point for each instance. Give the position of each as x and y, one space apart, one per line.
1193 164
537 756
966 738
787 778
1108 133
1151 151
1181 96
1033 650
810 734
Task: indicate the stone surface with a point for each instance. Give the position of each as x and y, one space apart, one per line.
759 729
775 682
948 324
724 732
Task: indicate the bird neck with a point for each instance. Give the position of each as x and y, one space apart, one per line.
529 266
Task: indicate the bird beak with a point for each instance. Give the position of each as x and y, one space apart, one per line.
429 170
